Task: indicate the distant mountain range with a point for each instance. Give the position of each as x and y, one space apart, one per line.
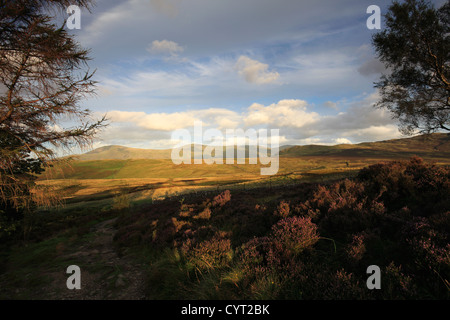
115 152
436 144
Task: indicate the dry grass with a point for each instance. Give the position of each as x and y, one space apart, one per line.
158 178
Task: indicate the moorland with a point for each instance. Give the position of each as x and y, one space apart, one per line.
141 227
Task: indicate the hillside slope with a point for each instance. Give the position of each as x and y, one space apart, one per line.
123 153
115 152
436 145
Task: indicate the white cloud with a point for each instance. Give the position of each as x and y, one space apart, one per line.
358 115
165 47
219 118
343 141
298 125
154 121
375 133
131 136
361 121
254 71
285 113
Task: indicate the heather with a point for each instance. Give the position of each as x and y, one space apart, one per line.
309 241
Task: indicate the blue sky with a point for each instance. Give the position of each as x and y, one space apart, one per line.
304 67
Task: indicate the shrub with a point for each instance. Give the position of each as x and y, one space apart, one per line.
343 195
121 201
164 233
421 186
395 215
342 208
221 199
253 252
396 285
186 211
282 209
357 248
430 252
295 234
208 254
276 255
205 214
340 285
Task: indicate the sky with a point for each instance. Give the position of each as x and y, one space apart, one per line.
306 68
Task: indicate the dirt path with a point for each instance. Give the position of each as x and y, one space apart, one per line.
104 275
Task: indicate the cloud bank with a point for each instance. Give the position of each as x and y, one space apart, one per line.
296 119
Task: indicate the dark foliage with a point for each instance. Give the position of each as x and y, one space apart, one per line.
313 241
414 46
42 82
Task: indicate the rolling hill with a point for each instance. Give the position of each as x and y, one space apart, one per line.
115 152
436 145
107 171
